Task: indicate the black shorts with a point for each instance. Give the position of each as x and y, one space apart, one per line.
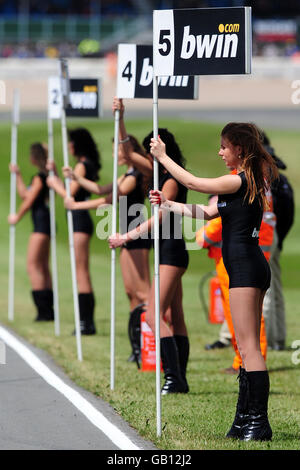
41 221
82 222
173 253
247 266
139 244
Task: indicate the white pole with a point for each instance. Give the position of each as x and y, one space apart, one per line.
53 232
156 263
113 253
13 183
71 238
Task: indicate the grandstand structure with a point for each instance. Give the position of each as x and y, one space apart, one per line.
76 28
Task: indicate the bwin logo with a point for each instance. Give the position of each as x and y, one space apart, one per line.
255 233
82 100
229 28
207 46
147 77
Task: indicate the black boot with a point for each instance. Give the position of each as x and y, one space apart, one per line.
86 308
183 346
170 362
134 333
241 407
43 300
256 426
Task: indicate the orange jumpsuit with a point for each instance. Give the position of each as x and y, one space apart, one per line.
210 236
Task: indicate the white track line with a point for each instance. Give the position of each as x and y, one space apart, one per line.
89 411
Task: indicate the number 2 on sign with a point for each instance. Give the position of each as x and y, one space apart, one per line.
55 96
127 71
163 40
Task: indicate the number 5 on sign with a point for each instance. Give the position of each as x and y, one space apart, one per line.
163 42
202 41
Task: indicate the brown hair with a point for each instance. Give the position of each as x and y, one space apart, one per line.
138 148
258 165
39 152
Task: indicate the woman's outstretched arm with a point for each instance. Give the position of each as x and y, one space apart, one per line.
226 184
73 205
28 201
90 186
195 211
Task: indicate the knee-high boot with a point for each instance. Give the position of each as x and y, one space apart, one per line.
241 407
43 300
170 362
256 426
134 332
183 347
86 308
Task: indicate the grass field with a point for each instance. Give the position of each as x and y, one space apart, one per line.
200 419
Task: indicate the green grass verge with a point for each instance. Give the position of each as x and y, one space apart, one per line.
200 419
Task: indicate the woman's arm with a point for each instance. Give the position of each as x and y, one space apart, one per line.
116 240
56 183
28 201
72 205
21 187
143 164
89 185
126 185
226 184
195 211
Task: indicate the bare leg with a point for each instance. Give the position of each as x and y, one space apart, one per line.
81 247
169 278
246 309
47 274
37 261
136 276
177 315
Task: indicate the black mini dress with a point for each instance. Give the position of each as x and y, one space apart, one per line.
131 212
40 209
82 221
172 248
243 258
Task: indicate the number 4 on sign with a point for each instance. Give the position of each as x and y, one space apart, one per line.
127 71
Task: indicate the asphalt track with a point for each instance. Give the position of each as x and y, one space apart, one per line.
277 118
34 415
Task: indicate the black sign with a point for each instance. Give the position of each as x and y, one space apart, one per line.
135 76
202 41
84 98
181 87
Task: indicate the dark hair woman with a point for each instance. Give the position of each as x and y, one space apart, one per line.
83 147
134 256
242 198
35 198
173 264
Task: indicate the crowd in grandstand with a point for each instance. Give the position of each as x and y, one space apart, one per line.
114 10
